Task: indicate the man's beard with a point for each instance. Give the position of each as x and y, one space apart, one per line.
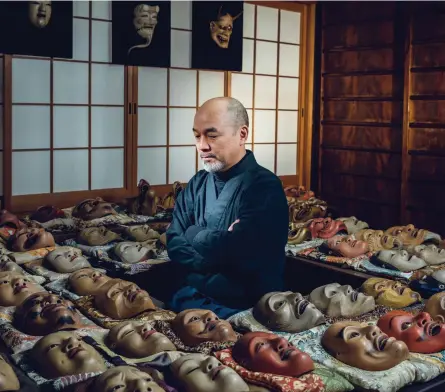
214 167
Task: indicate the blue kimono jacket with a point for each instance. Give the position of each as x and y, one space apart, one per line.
235 267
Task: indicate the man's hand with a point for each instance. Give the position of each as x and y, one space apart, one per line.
232 225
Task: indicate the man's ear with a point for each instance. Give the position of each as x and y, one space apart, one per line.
243 133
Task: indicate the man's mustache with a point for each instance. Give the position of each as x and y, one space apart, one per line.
207 156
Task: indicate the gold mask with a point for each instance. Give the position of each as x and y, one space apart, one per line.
408 234
97 236
298 236
390 293
378 240
221 29
145 20
39 13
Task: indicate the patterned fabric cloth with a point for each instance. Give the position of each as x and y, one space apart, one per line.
61 287
18 341
426 271
294 250
163 216
321 379
25 362
418 368
60 225
31 255
86 306
207 348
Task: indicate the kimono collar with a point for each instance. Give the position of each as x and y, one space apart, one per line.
246 163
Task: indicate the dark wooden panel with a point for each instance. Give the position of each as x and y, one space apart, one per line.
428 83
362 163
388 112
426 195
427 219
421 168
431 55
362 137
378 216
360 86
338 12
427 139
428 26
345 185
366 60
369 34
427 111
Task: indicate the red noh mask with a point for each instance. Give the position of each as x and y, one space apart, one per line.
325 227
420 333
268 353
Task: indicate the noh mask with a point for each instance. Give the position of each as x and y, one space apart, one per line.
43 313
408 234
65 354
363 347
145 19
325 227
268 353
400 260
134 339
204 373
141 233
125 378
39 13
435 306
353 224
390 293
47 213
301 212
6 264
8 378
133 252
7 219
97 236
297 236
66 259
93 209
120 300
347 247
298 193
87 281
378 240
287 312
420 333
195 326
430 253
341 301
221 29
31 239
16 287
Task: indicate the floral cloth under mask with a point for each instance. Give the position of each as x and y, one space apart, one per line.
320 380
30 255
86 306
418 368
37 268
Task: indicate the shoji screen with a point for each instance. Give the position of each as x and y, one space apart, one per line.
167 102
269 85
67 117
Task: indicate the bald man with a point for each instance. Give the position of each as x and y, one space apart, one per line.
230 224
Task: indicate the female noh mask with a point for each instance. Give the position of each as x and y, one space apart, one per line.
120 299
31 239
87 281
125 379
97 236
8 379
347 246
341 301
195 326
39 13
400 260
268 353
43 313
64 354
353 224
141 233
6 264
66 259
390 293
430 253
420 333
287 312
134 339
16 287
363 346
203 373
133 252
